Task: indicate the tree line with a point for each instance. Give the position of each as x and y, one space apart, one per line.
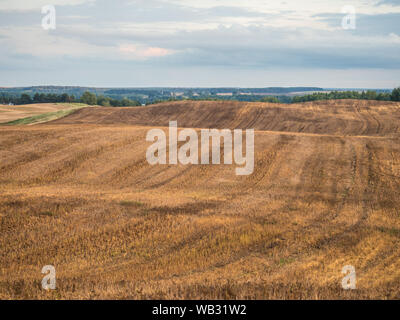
92 99
364 95
87 98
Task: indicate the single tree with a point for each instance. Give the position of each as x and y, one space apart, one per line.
395 94
89 98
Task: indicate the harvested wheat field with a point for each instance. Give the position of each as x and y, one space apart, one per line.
78 193
12 113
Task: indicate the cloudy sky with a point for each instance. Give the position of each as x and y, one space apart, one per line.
245 43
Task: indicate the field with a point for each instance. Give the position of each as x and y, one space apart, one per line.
36 113
78 193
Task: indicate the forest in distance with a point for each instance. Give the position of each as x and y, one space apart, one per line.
139 97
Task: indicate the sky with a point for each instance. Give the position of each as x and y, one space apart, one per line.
207 43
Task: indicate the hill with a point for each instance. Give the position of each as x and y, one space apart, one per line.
339 117
78 193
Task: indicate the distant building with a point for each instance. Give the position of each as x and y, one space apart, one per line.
225 94
11 104
177 94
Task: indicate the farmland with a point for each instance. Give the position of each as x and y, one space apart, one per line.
78 193
35 113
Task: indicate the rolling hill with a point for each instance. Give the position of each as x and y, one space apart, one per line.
339 117
78 193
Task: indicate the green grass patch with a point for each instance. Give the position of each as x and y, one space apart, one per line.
47 214
283 261
136 204
44 117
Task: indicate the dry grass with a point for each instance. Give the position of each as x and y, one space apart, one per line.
32 112
83 198
337 117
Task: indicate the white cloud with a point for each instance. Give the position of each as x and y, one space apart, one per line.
46 45
300 7
24 5
143 52
236 34
394 38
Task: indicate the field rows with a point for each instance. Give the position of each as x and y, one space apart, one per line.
83 198
337 117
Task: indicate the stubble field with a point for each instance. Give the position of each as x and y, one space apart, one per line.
78 193
36 112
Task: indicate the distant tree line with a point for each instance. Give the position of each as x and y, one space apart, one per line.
270 99
87 98
364 95
93 99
